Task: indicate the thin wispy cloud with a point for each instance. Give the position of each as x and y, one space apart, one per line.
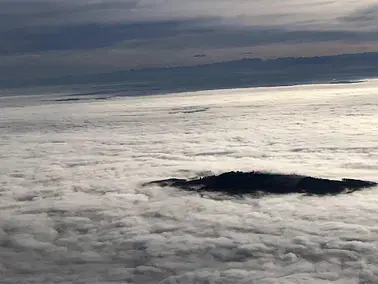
366 17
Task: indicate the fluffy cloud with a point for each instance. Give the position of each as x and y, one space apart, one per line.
73 209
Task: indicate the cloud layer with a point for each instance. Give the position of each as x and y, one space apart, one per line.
147 33
73 209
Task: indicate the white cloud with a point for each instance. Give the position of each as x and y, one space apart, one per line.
73 210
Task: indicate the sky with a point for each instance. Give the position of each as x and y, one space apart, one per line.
43 38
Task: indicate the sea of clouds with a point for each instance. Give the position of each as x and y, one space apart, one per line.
72 208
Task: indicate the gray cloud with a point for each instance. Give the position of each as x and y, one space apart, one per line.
244 37
367 17
170 35
88 36
172 32
23 13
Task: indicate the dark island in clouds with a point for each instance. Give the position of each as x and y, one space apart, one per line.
258 183
254 72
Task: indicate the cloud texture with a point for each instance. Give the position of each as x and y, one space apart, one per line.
73 209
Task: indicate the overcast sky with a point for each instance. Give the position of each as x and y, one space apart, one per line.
45 37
